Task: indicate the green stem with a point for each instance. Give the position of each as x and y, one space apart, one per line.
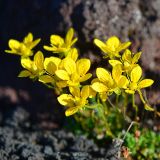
141 97
134 105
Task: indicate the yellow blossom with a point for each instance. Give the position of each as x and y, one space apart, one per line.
76 100
33 68
73 73
51 64
135 81
61 45
128 60
107 82
112 46
23 48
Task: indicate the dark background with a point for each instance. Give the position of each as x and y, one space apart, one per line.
136 20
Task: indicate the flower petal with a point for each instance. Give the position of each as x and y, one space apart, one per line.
56 40
136 57
103 75
113 42
46 79
85 77
124 46
69 65
39 59
83 66
127 56
116 72
123 82
136 74
14 44
24 73
65 99
70 111
26 63
69 36
99 87
62 74
73 54
101 45
129 91
114 62
145 83
75 91
85 92
28 38
51 64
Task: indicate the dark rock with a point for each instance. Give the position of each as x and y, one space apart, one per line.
18 142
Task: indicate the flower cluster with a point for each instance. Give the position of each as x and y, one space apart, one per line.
66 72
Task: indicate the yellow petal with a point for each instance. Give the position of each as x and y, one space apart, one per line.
75 77
103 75
28 38
69 65
116 72
71 111
101 45
73 41
114 62
75 91
26 63
83 66
136 57
85 77
145 83
73 54
99 87
127 56
56 40
85 92
124 46
62 74
136 74
65 99
46 79
14 44
61 84
51 64
123 82
38 59
129 91
48 48
34 43
113 42
69 36
24 73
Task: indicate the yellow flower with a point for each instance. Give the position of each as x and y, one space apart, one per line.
128 61
107 82
33 68
135 82
73 73
51 65
112 47
23 48
60 45
76 100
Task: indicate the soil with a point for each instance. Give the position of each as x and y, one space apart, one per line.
23 139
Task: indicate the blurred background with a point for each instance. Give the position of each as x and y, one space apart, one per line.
134 20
